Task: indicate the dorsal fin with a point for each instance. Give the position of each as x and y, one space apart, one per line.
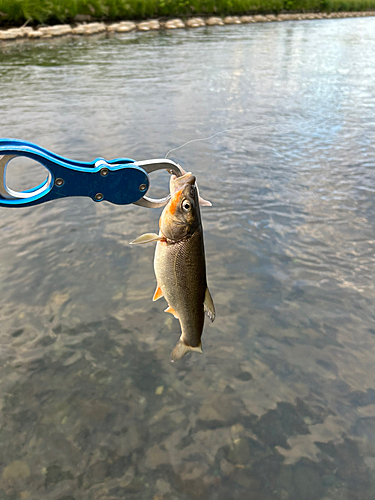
209 307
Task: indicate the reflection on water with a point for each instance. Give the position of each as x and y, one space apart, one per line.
282 404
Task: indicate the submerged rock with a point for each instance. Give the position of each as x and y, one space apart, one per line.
239 453
163 486
156 456
244 376
16 470
55 474
307 483
226 467
246 480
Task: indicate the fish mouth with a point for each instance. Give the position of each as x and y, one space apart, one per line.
181 182
191 180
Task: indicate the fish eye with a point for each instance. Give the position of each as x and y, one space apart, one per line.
186 205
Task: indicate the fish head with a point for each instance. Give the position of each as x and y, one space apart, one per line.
175 183
181 216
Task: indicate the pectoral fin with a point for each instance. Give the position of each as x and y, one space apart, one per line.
146 238
180 349
204 203
209 307
171 311
158 293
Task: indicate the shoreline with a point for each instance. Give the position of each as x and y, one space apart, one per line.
93 28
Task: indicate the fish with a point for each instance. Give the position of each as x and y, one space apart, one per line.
180 265
174 184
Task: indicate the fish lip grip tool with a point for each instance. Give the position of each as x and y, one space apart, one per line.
120 181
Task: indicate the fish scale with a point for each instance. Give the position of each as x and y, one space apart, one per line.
181 274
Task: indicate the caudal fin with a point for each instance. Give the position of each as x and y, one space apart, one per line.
180 349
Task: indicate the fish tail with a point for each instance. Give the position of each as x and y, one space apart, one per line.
180 349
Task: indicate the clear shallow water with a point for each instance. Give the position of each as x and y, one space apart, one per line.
282 404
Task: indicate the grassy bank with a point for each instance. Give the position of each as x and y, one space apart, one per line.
17 12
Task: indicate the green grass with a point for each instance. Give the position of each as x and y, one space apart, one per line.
17 12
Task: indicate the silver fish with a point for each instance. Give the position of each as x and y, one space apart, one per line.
179 264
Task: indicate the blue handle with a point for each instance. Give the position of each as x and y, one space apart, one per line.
120 181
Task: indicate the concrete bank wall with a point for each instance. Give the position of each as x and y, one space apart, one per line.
194 22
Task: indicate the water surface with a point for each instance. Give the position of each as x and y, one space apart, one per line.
281 406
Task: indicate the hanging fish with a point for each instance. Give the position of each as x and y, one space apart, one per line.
179 263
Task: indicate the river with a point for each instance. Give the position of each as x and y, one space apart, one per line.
281 405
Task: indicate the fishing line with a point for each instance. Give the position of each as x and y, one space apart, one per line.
202 139
218 133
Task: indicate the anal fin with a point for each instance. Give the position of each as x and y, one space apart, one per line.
171 311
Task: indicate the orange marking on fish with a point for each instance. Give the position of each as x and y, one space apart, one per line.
174 201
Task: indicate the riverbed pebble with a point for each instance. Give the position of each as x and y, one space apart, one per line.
232 20
195 22
173 24
214 21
